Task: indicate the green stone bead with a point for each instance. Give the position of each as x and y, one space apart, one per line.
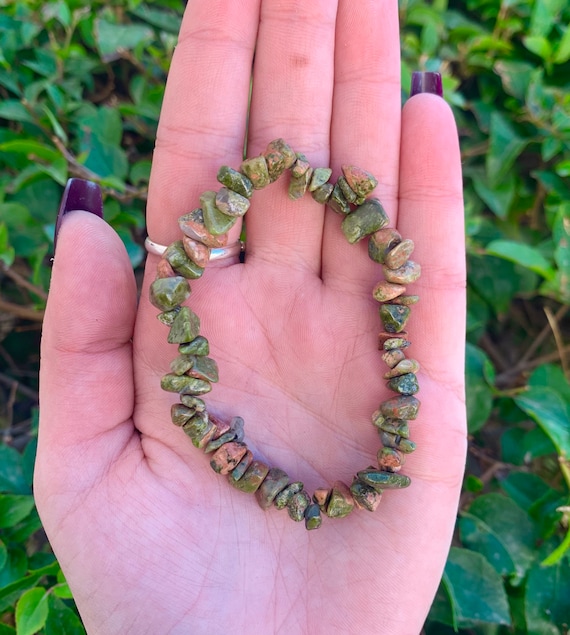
407 300
193 402
279 157
390 459
398 427
227 457
399 443
297 505
365 220
197 428
337 202
185 384
404 384
235 181
198 346
204 368
340 503
360 181
252 479
256 171
179 261
298 185
241 468
231 203
285 495
320 177
322 194
301 166
383 480
400 407
192 226
215 444
394 317
180 414
167 293
216 222
182 364
313 519
274 482
349 194
406 274
380 243
365 495
394 343
185 327
167 317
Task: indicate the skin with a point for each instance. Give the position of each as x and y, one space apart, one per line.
150 539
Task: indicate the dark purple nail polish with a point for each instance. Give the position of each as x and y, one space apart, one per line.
79 194
426 82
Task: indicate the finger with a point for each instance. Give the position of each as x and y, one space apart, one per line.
431 214
203 117
365 127
292 93
86 376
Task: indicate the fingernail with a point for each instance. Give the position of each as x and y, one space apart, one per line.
79 194
426 82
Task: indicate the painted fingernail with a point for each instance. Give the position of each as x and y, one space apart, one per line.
79 194
426 82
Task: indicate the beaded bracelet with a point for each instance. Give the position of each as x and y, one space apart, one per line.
193 372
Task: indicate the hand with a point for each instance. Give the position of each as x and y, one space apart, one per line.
150 539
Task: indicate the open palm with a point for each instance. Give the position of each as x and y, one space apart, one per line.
150 539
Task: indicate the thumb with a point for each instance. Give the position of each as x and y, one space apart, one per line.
86 371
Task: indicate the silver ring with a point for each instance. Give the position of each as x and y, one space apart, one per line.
217 253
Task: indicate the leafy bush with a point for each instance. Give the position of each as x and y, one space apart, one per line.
81 86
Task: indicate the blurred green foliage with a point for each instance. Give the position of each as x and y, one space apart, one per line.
81 85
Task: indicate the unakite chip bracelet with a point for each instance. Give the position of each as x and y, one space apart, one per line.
193 372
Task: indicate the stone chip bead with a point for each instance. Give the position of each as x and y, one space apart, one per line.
181 263
231 203
256 171
167 293
386 291
320 177
365 496
196 251
349 194
180 414
241 468
298 185
252 478
198 346
216 221
185 327
274 482
198 427
167 317
402 367
204 368
399 255
235 181
337 202
406 274
323 193
394 317
301 166
399 427
390 459
392 358
400 407
194 226
406 300
313 519
321 496
381 242
340 502
360 181
279 157
397 442
297 505
365 220
404 384
383 480
225 459
185 384
285 495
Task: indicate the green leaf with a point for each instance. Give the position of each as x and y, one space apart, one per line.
521 254
62 620
539 46
10 592
551 412
546 599
515 76
111 38
7 630
497 528
475 589
12 479
562 51
31 611
524 488
498 198
164 20
31 148
505 145
13 110
7 252
478 393
3 554
14 508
